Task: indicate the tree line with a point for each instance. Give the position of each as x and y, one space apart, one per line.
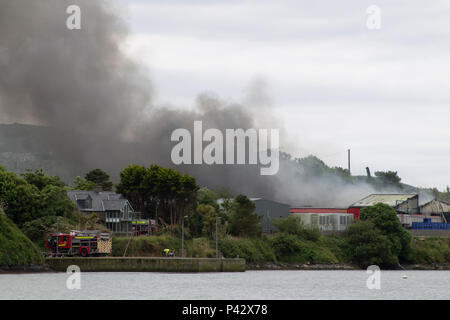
38 203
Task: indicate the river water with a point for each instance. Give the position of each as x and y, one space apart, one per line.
252 285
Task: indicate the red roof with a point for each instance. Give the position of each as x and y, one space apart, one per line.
317 210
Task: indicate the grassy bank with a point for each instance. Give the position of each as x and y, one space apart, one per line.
431 251
15 248
275 249
264 249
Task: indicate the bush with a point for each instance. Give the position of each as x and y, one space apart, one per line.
15 248
294 226
291 248
334 244
385 220
430 251
366 245
252 250
243 221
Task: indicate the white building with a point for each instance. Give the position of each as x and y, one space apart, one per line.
326 221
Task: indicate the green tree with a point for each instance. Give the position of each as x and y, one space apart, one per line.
158 192
294 226
207 196
82 184
19 198
378 238
389 177
243 220
132 186
53 201
209 216
385 219
40 180
100 178
365 245
24 202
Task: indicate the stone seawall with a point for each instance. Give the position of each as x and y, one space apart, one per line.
147 264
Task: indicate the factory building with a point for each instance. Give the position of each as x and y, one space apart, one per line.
324 219
436 208
268 210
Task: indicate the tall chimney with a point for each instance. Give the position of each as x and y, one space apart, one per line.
349 171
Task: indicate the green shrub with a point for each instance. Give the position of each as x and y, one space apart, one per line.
294 226
252 250
430 251
366 245
15 248
292 248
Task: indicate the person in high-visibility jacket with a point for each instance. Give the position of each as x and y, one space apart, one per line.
166 252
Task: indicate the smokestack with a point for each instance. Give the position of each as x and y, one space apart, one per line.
349 172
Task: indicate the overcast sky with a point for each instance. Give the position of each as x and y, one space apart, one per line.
335 83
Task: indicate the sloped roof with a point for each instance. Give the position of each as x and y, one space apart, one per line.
317 210
114 205
435 201
392 200
101 201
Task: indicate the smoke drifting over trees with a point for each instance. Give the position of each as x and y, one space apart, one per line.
99 105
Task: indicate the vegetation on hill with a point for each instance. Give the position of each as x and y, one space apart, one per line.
33 196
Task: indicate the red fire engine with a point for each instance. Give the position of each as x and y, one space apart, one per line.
82 243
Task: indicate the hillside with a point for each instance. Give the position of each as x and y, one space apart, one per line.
15 248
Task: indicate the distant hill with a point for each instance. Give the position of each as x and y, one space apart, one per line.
25 147
59 152
305 181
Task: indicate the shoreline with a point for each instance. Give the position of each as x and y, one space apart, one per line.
23 269
263 266
270 266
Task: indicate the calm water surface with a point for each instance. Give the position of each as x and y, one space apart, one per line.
290 285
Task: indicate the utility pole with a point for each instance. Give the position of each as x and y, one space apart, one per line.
349 172
182 236
57 235
217 239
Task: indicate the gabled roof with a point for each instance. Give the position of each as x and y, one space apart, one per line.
101 201
392 200
114 205
435 201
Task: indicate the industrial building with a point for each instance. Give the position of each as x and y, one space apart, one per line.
325 219
407 220
436 208
402 203
268 210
